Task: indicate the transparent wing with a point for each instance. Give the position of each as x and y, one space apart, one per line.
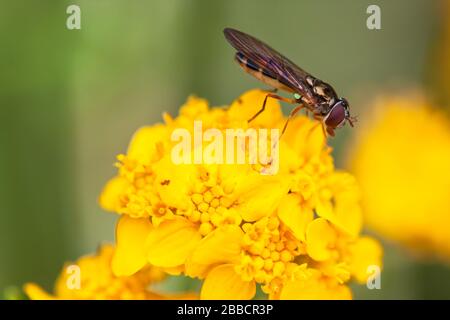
268 58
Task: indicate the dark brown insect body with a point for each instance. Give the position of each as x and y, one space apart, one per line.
277 71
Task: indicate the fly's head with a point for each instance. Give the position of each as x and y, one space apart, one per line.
337 116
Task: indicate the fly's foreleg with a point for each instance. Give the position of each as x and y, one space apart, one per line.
320 122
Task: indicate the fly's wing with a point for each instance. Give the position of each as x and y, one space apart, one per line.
269 59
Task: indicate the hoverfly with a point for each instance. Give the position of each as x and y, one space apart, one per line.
277 71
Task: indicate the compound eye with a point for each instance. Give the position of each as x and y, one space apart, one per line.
336 116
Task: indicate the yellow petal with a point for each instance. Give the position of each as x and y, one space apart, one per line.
223 283
110 197
174 182
303 185
364 253
146 144
174 271
290 160
193 107
314 288
320 239
305 137
223 245
294 216
169 244
181 296
343 210
34 292
260 195
130 255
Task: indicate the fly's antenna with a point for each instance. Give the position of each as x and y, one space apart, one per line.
352 120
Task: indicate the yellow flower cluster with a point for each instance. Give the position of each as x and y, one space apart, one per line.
295 233
91 278
402 161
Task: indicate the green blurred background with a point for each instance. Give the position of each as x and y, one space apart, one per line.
71 99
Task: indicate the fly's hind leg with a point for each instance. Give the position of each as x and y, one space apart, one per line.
274 96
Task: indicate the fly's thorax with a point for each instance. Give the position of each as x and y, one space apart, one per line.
320 96
310 80
325 92
322 90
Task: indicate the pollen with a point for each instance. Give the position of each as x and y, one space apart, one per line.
268 264
275 255
203 207
195 216
258 262
217 219
286 256
197 198
269 249
208 197
205 228
205 217
214 203
278 268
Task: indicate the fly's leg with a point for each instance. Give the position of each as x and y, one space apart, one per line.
320 122
274 96
291 115
325 134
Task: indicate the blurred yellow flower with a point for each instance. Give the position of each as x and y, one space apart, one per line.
91 278
439 62
296 233
402 161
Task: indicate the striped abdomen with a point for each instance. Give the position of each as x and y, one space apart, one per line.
261 74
